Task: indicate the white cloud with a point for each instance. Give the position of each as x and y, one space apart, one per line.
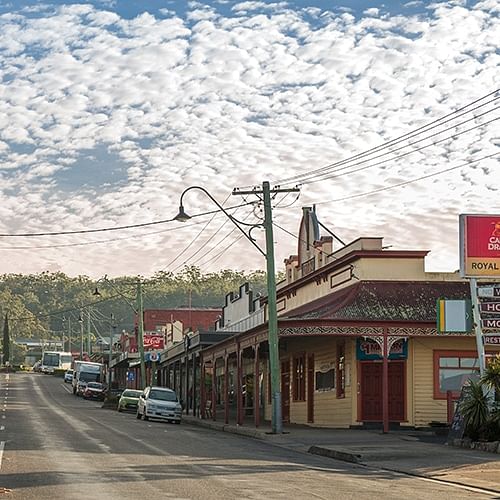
230 101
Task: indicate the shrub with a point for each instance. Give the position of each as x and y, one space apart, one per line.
474 408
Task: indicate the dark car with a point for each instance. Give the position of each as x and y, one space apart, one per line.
94 390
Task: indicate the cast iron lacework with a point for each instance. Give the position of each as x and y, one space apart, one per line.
413 332
330 330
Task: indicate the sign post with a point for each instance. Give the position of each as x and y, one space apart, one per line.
479 258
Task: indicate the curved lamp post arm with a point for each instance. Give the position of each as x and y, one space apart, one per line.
182 216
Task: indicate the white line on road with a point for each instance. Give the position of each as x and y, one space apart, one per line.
2 427
66 389
2 445
3 416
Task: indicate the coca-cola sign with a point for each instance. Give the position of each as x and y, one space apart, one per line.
153 341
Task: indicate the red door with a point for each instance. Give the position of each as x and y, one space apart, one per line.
285 391
371 391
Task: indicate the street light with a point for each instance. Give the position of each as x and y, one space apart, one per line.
139 310
182 216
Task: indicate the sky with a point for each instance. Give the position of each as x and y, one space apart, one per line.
109 110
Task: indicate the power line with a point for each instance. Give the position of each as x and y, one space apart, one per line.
396 140
211 238
411 181
64 311
326 175
97 242
397 157
195 238
117 228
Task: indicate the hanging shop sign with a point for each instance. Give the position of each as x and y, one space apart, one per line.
479 246
369 350
490 307
454 316
489 323
491 339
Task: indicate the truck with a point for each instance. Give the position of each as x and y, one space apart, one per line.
86 371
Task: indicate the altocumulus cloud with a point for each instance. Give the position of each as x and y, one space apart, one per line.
104 120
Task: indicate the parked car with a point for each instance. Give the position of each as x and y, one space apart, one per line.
94 390
68 376
161 403
129 400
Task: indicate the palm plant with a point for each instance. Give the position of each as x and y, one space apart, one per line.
475 408
491 376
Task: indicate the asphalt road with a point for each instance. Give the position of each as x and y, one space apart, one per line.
54 445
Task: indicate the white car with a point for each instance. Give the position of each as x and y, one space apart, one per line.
68 376
161 403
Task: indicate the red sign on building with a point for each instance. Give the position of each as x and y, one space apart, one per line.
480 245
153 341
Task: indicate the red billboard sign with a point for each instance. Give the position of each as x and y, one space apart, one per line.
480 246
153 341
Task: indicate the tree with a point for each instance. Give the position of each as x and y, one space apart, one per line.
6 340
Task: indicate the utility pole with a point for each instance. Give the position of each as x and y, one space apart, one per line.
272 314
69 335
80 320
89 343
110 358
140 333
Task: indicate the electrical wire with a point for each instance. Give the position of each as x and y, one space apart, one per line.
433 124
117 228
97 242
65 311
210 239
405 183
326 175
195 238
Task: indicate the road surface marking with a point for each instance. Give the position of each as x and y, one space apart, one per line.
7 377
3 416
2 427
66 389
2 445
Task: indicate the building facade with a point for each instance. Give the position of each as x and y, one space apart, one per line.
357 339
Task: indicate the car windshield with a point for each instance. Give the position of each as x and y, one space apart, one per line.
131 394
94 385
163 395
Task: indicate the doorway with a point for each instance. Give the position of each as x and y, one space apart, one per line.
371 391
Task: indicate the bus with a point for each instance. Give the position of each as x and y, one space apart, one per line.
55 360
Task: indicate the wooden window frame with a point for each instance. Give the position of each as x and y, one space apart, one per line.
299 377
437 355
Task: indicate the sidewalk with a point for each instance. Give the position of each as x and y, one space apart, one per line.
418 453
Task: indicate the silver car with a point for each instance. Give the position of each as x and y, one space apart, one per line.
161 403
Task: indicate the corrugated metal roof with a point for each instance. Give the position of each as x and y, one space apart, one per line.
383 301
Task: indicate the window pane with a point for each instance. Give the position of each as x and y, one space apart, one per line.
448 362
469 362
454 379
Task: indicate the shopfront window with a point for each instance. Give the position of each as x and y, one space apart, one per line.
452 369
